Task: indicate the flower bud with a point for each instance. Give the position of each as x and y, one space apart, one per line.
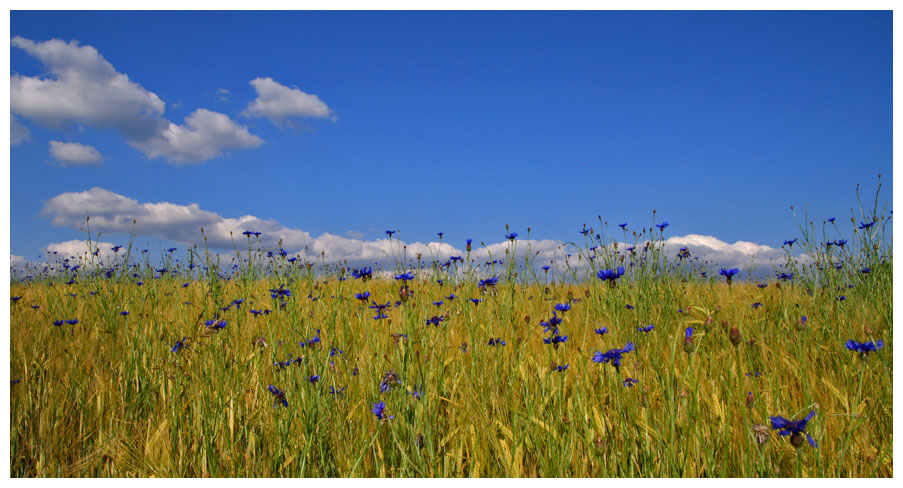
735 335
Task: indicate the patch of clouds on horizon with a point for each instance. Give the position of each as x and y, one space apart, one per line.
84 88
278 103
75 154
351 234
18 133
114 213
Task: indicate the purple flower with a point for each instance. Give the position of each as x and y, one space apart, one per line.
864 348
794 428
613 355
279 396
379 409
610 275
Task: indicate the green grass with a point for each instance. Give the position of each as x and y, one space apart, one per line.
108 397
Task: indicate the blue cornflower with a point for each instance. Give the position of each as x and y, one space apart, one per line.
250 233
379 409
555 340
602 331
416 392
688 333
863 348
511 236
496 342
467 247
58 322
389 379
185 285
831 220
840 243
756 305
662 226
116 248
279 395
630 307
546 268
171 250
476 301
629 382
560 368
333 351
785 276
314 378
435 320
647 329
841 298
312 342
866 270
794 428
15 299
362 296
489 282
179 345
563 307
438 304
612 355
72 321
451 297
364 273
123 313
405 276
863 225
552 324
791 242
337 392
585 231
440 234
610 275
728 273
623 225
280 292
390 232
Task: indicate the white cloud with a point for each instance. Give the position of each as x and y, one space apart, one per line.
80 249
278 102
737 255
205 135
351 234
18 133
74 154
114 213
84 88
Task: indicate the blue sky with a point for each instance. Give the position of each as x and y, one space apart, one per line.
459 122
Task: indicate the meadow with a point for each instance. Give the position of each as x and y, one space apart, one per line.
628 362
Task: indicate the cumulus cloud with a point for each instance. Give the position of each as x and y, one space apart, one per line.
182 223
205 135
738 254
279 103
80 249
74 154
84 88
18 133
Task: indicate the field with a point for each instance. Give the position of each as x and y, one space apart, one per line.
276 368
